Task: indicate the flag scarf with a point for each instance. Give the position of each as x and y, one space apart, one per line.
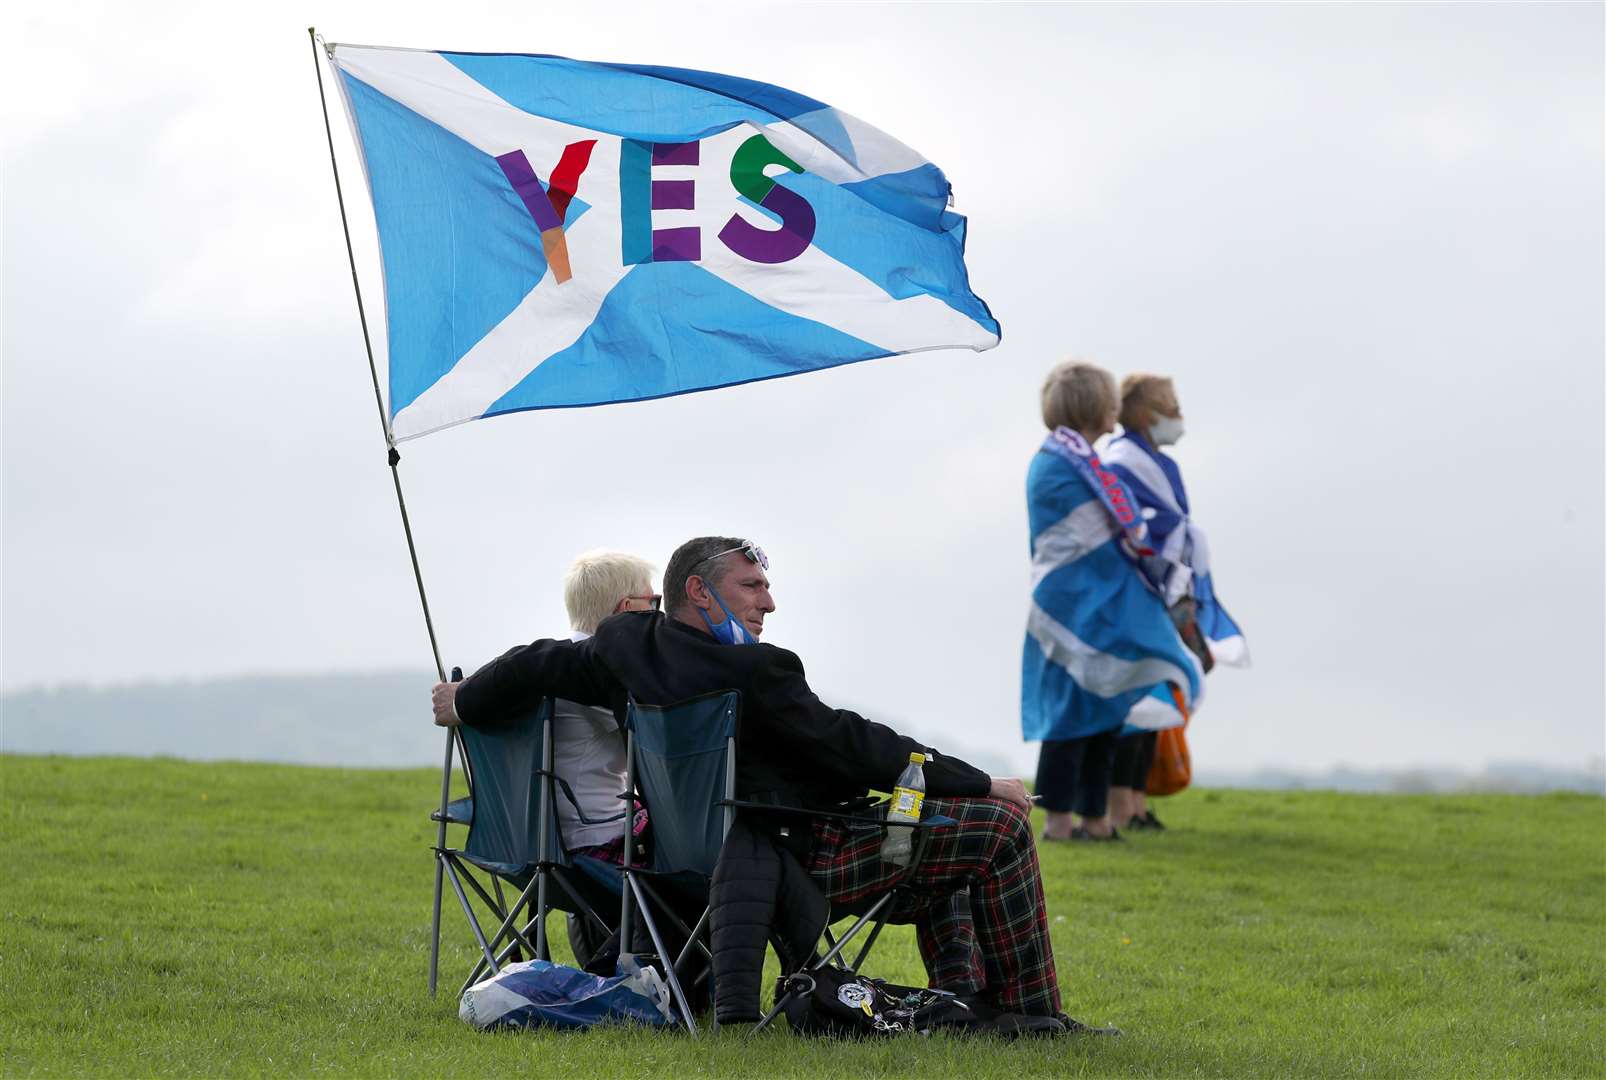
1101 652
1112 492
560 233
1154 480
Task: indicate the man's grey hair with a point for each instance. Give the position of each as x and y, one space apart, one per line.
687 562
597 581
1078 395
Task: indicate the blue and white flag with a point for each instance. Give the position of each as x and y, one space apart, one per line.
560 233
1101 652
1155 481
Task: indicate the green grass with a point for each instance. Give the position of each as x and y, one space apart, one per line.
169 918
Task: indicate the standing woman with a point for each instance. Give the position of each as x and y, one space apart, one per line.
1151 420
1101 652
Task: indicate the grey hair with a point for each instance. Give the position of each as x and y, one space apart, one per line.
1078 395
684 563
597 581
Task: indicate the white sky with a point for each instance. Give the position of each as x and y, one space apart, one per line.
1366 240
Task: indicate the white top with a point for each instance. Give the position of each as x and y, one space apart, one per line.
588 752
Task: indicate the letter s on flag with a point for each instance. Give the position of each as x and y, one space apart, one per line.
797 216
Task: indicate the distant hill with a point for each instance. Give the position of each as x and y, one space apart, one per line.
377 719
1503 777
381 719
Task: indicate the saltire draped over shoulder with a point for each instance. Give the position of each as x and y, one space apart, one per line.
1155 480
1101 652
558 233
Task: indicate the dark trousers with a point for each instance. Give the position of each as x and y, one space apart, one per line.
1073 775
1134 754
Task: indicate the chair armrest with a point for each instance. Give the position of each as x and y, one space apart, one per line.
458 812
936 821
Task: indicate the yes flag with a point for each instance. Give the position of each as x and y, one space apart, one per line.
560 233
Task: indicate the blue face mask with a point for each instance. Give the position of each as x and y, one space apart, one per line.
731 631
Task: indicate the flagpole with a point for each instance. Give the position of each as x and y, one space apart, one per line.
394 459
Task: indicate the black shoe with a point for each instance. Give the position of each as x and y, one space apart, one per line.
1151 822
1076 1027
1080 833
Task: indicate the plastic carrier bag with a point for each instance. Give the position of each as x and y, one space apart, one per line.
539 993
1172 769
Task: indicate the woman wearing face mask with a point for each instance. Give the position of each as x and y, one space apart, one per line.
1101 653
1151 419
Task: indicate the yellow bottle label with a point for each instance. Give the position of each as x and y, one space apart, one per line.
907 802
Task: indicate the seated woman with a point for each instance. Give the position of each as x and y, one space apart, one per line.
588 749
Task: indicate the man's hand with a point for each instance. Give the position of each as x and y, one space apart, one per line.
1010 789
441 698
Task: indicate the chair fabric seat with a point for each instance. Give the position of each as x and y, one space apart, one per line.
603 873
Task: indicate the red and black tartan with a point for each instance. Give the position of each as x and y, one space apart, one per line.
985 928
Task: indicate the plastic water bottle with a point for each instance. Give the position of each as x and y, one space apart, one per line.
898 847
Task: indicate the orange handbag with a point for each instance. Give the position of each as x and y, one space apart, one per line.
1172 770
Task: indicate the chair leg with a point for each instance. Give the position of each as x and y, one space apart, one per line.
474 924
669 968
853 931
541 948
579 902
780 1003
507 929
501 909
695 939
794 986
830 940
875 932
680 924
435 925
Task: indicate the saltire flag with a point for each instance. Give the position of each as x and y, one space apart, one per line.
1101 652
559 233
1155 480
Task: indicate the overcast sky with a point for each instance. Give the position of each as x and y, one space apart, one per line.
1367 241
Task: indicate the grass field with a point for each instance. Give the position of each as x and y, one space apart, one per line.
178 919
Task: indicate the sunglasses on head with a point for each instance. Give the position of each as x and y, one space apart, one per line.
754 553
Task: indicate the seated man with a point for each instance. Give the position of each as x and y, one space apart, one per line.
797 751
588 749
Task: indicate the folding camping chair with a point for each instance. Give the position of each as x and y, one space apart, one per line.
681 758
513 836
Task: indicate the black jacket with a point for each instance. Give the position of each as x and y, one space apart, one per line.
792 748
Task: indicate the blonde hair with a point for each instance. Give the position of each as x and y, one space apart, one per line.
1145 392
1077 395
597 581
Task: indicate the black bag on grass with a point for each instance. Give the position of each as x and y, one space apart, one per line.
837 1003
